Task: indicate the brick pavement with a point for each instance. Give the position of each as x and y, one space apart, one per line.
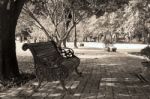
108 77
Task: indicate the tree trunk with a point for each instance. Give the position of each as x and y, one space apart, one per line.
9 12
64 42
75 37
99 38
1 59
86 39
59 43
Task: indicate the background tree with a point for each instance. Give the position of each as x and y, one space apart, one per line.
58 13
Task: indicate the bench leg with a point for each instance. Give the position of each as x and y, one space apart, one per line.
68 91
38 86
79 73
62 82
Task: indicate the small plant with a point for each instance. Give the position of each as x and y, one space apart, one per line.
145 75
146 52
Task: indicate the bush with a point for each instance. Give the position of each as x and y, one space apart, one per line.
146 52
81 44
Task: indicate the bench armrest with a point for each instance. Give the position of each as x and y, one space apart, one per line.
25 46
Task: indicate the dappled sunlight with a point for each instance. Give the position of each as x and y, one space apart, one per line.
104 65
109 79
55 94
146 85
75 84
39 94
90 97
108 75
18 92
77 94
108 84
52 89
126 95
100 95
131 79
105 62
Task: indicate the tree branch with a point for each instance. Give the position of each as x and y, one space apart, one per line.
68 31
33 17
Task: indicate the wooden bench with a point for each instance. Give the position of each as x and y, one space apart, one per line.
50 65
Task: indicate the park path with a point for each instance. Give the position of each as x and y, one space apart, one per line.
107 75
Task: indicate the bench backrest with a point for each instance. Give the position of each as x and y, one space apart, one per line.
46 51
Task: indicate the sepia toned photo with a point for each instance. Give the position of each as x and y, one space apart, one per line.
74 49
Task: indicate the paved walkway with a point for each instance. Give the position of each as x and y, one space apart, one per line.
108 76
